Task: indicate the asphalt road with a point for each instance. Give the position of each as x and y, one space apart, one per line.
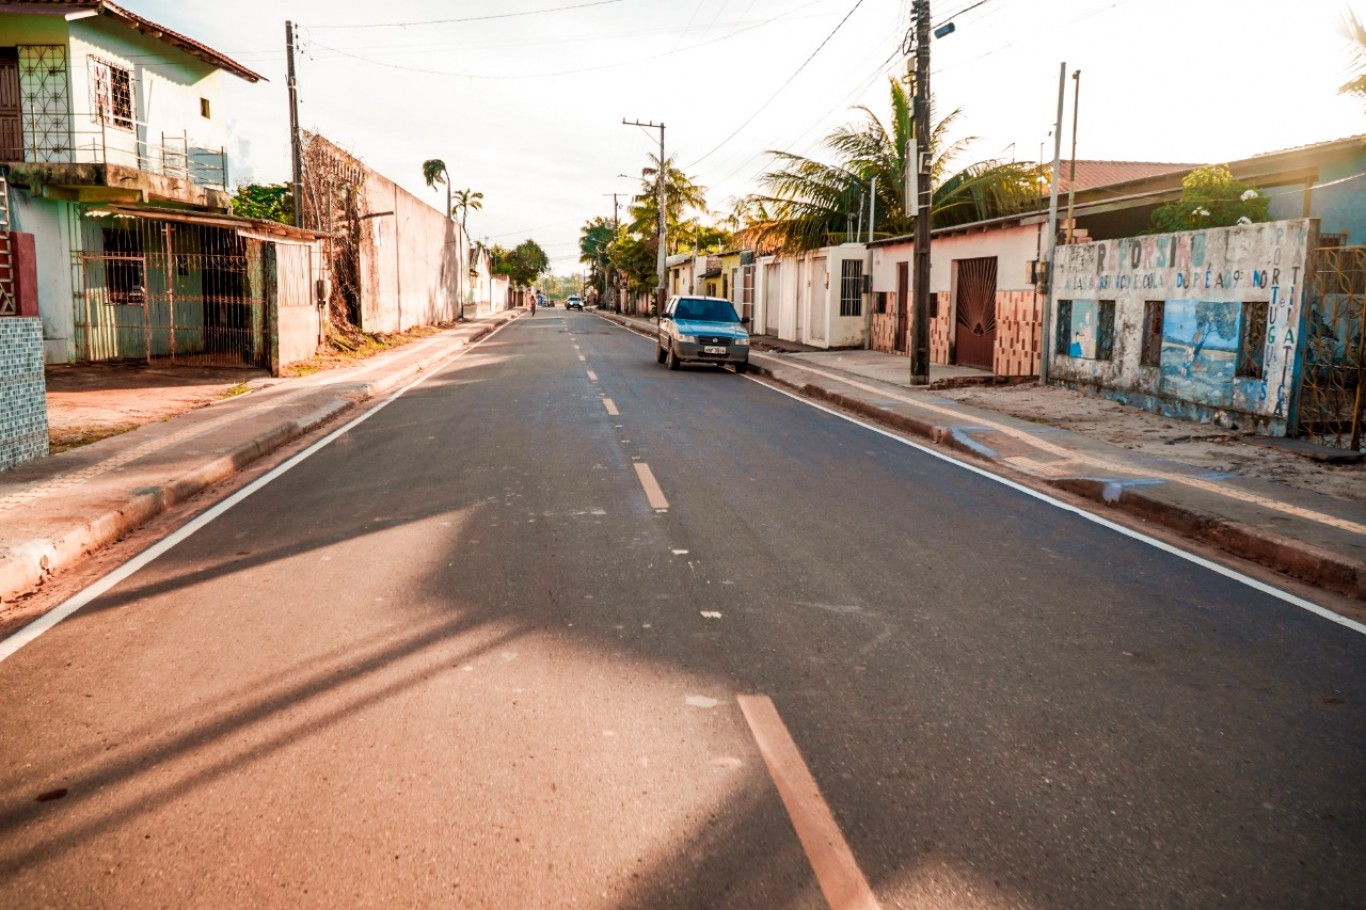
561 628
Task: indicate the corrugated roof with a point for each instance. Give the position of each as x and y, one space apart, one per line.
146 26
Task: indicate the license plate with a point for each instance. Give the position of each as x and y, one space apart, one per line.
711 349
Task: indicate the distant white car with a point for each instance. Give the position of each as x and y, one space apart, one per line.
574 303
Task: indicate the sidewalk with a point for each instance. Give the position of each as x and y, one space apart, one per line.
1313 537
56 510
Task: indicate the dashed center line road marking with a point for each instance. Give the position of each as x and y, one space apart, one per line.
653 493
611 407
592 377
583 359
841 880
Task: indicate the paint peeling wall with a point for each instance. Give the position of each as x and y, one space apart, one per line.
1200 325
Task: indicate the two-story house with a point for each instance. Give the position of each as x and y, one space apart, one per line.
112 146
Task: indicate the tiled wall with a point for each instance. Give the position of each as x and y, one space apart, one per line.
1017 334
23 392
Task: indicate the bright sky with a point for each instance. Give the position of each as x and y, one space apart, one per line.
524 99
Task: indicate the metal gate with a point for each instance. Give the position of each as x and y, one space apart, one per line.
166 291
975 323
1333 350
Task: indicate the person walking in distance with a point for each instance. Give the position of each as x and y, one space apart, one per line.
533 303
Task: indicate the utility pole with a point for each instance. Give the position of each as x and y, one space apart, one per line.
659 179
920 348
612 281
1072 172
1045 341
294 150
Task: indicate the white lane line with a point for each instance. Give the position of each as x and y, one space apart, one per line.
582 359
653 493
1104 464
611 407
1232 574
840 878
592 377
48 620
1215 567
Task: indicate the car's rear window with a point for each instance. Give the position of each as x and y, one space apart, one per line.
705 310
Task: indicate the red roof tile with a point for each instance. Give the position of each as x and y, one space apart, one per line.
147 27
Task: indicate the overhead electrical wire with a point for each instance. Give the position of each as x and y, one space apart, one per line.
785 84
587 69
534 12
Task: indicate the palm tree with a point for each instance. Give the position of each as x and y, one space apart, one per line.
1355 31
434 172
809 203
464 200
594 238
681 196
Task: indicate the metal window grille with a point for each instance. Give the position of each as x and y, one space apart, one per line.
851 287
111 94
1105 330
1332 350
1252 340
1062 333
747 291
1154 312
164 291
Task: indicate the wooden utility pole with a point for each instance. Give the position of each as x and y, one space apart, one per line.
294 150
920 347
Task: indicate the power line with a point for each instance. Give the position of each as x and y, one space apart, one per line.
586 69
534 12
785 84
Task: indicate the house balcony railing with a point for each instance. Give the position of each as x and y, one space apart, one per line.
135 147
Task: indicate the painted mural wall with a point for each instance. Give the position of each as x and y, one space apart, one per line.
1202 325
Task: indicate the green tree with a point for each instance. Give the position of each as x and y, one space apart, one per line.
808 203
1211 197
434 172
265 202
464 200
634 256
594 238
682 197
523 264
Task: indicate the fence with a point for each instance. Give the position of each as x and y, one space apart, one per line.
1333 350
168 291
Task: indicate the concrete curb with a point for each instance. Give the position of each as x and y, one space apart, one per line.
25 566
1295 558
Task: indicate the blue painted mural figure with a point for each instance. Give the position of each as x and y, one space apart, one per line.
1200 350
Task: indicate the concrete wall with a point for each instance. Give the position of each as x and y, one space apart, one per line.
412 270
296 314
23 392
1203 279
49 223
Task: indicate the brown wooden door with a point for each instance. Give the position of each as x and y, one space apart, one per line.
903 289
975 325
11 111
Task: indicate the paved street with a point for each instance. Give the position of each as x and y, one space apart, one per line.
559 627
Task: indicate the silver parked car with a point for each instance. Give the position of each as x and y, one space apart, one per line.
702 330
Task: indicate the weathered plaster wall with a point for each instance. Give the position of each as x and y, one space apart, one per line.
411 270
1203 279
